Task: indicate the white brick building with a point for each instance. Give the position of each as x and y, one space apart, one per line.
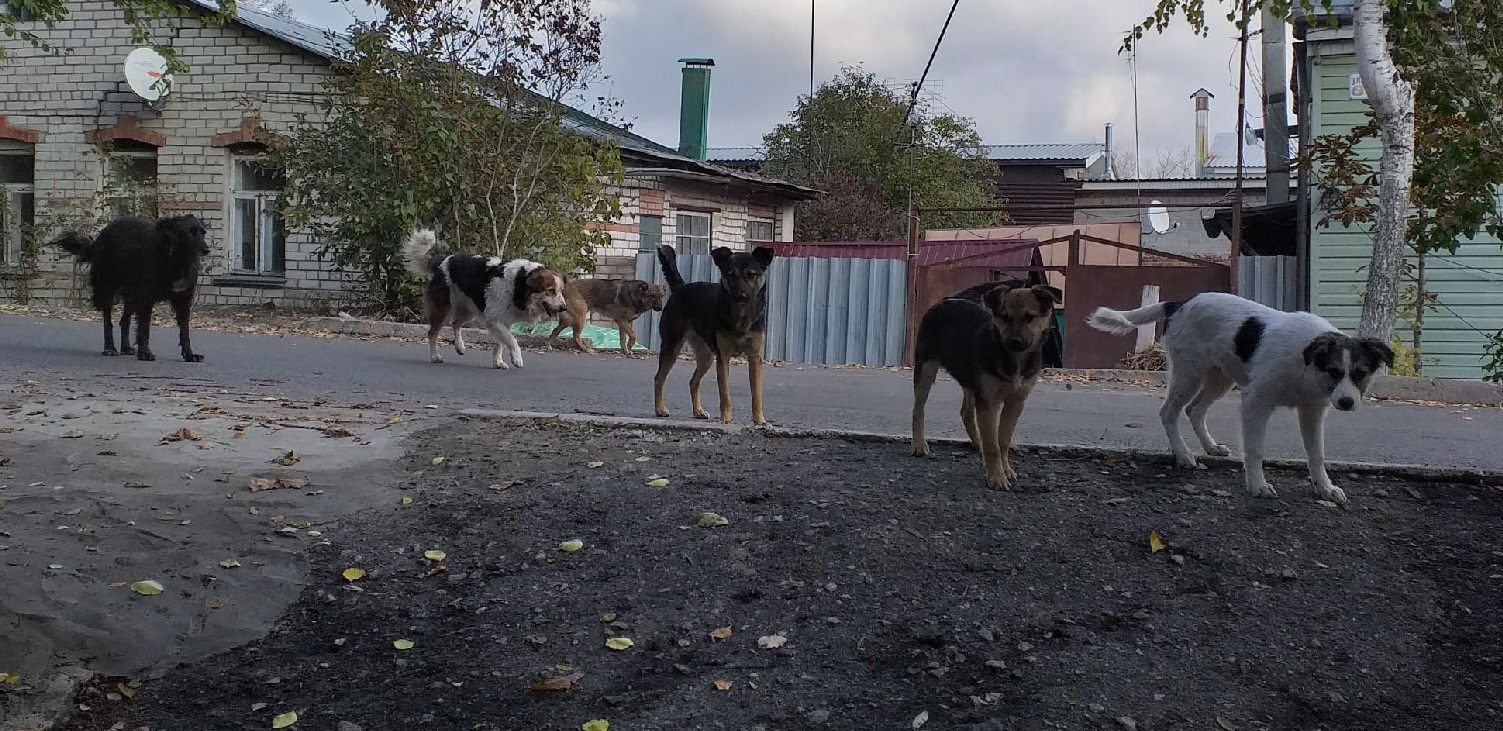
71 132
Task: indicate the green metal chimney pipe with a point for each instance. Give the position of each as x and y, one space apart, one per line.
694 108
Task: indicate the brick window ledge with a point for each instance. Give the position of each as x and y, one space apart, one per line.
252 281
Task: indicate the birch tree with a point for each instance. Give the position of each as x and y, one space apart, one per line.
1391 96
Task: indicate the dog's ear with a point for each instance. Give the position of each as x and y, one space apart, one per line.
722 255
763 255
1377 350
995 298
1319 348
1048 296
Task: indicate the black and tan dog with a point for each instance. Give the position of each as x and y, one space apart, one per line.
622 300
720 321
993 348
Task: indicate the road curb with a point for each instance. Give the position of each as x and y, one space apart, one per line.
387 329
1398 388
1418 473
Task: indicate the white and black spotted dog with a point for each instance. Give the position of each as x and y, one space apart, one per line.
1290 359
497 292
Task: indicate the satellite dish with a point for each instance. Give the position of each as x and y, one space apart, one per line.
146 73
1158 217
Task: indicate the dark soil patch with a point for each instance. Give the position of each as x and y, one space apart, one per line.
902 587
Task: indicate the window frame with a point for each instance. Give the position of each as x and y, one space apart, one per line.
13 240
649 240
117 175
772 230
270 252
679 237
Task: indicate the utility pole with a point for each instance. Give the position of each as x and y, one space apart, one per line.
811 49
1275 105
1241 139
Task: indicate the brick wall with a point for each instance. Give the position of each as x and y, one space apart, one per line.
75 100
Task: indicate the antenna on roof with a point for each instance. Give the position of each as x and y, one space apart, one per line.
146 73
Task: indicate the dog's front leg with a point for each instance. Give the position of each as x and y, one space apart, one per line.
1007 424
754 375
923 381
181 309
1312 419
1255 414
723 383
988 411
143 333
125 346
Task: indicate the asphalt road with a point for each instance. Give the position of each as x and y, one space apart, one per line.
861 399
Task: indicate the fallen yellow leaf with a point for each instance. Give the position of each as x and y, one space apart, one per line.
435 555
353 574
619 643
659 482
721 633
229 563
643 459
1224 723
608 617
284 720
215 605
150 587
10 678
289 459
710 520
593 465
598 724
1155 543
771 642
402 644
406 499
722 684
921 719
571 546
438 460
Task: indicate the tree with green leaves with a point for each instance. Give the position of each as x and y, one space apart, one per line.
1433 77
451 116
849 139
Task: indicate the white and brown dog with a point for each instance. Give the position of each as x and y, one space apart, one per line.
498 292
1280 359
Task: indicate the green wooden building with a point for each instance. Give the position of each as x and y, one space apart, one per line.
1468 285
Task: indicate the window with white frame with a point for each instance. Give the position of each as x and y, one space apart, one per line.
258 235
131 178
692 232
759 231
17 197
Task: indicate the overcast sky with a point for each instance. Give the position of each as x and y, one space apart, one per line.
1025 71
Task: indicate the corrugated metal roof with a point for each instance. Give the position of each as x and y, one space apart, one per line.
736 154
1086 152
334 46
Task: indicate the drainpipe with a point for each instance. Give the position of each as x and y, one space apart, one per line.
1111 173
694 108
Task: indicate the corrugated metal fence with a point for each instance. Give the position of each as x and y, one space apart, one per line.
1269 280
828 311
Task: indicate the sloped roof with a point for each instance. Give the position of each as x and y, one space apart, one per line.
1086 152
736 154
334 46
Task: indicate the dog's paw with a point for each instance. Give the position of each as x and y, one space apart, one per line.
1332 493
1187 463
921 449
436 358
1219 450
110 351
661 412
144 354
1263 490
193 357
501 364
1011 473
702 414
998 482
127 350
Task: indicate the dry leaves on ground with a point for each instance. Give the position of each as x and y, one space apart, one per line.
562 682
259 484
183 434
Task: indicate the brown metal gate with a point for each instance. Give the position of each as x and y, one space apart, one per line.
1121 288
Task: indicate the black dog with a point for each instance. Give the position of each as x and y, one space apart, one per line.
993 349
1053 350
720 321
142 262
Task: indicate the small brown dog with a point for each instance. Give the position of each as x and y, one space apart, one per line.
993 349
622 300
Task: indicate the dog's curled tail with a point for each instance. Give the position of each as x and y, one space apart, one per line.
668 258
1123 322
420 252
76 244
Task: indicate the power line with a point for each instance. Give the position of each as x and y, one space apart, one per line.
913 99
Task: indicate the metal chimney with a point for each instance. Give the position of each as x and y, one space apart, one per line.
1111 173
1202 130
694 108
